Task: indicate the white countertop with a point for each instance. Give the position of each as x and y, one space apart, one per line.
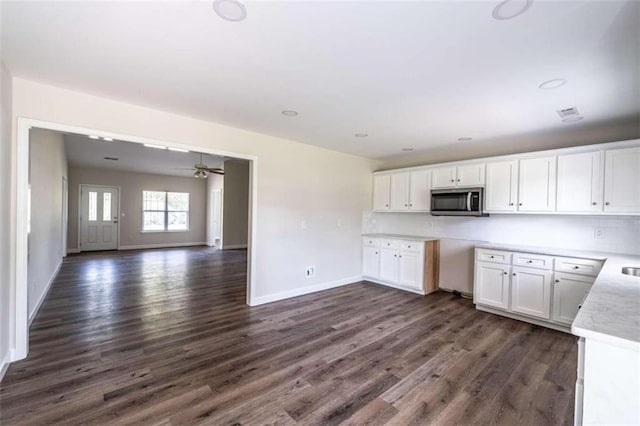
402 237
611 311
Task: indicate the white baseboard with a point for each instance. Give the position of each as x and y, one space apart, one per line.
73 250
234 246
163 245
52 278
261 300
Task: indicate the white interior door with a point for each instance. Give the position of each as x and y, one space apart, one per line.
214 218
65 214
98 218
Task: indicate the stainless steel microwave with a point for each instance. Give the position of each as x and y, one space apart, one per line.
457 202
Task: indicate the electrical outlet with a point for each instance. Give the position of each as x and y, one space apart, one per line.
311 271
303 224
429 225
598 233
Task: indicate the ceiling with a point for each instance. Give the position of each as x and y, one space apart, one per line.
133 157
414 75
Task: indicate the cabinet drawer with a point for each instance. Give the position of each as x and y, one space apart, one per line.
530 260
370 242
578 266
390 243
494 256
411 245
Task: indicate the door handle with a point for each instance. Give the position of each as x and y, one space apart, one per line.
469 201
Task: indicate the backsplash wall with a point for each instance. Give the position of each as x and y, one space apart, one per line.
621 234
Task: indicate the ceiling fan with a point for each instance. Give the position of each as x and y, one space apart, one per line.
201 170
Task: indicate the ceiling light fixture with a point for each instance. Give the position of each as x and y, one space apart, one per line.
509 9
108 139
230 10
407 149
150 145
553 84
572 119
200 174
361 135
94 137
465 139
289 113
178 149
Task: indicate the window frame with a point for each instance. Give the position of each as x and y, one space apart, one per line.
166 212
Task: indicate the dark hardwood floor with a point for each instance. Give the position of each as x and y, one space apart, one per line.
164 337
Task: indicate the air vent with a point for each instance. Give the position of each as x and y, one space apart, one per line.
568 112
111 158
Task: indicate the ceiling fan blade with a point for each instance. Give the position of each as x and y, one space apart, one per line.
183 168
216 171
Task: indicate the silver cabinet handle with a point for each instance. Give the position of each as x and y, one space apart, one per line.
594 204
505 273
557 281
529 261
514 274
510 204
607 203
576 267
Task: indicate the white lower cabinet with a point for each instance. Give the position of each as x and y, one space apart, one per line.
539 293
569 291
531 292
492 284
408 265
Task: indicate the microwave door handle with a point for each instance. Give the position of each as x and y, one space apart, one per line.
469 201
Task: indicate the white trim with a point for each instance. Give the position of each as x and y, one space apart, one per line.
52 278
20 169
73 250
395 285
4 365
234 246
161 245
304 290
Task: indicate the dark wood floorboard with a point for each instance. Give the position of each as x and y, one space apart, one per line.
165 337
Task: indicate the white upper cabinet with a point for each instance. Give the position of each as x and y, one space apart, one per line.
420 191
444 177
470 175
622 180
537 189
381 192
580 182
454 176
501 192
400 191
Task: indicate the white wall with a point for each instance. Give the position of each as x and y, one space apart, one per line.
235 204
621 234
6 83
296 182
47 167
131 186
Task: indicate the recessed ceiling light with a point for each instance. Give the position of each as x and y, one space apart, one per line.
150 145
465 139
178 149
407 149
108 139
553 84
361 135
509 9
289 113
230 10
572 119
94 137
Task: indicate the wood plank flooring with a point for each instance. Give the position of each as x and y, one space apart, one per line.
164 337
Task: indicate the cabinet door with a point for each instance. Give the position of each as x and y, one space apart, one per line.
389 264
381 192
622 174
537 190
371 262
501 191
531 292
470 175
491 285
410 269
569 291
443 177
580 182
400 191
420 191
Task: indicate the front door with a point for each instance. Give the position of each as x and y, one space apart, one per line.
98 218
